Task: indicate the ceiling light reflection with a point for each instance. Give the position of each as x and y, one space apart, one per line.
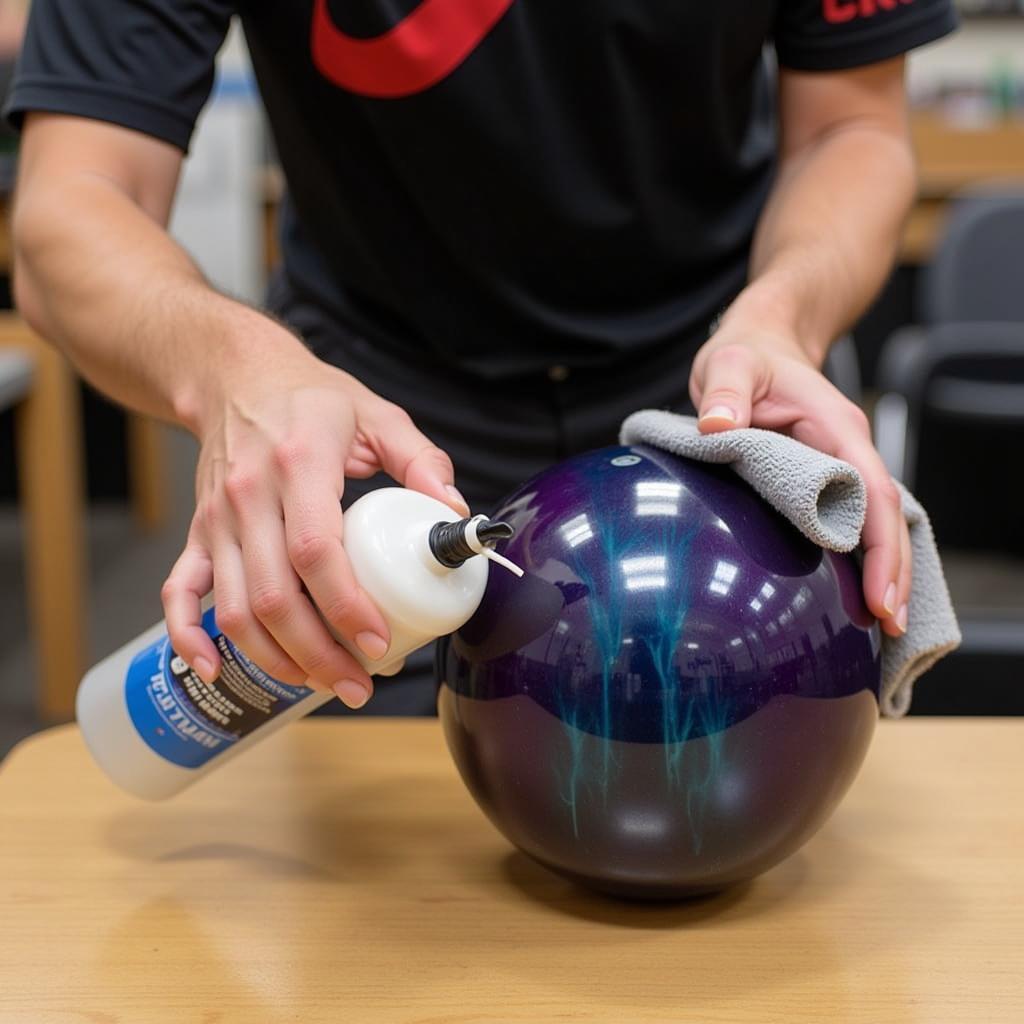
576 530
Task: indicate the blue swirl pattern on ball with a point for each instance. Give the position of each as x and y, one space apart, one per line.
680 689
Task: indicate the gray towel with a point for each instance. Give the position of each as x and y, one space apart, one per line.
825 499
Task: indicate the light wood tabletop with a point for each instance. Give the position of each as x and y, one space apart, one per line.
340 872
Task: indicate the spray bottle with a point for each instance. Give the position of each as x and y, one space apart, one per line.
154 726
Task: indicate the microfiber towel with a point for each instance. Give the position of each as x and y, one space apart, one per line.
825 498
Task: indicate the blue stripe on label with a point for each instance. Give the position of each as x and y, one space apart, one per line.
189 722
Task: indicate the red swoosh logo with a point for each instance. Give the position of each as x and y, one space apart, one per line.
423 48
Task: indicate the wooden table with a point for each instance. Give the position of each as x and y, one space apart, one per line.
51 488
951 159
340 872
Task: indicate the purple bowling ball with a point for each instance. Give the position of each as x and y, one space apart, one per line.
680 690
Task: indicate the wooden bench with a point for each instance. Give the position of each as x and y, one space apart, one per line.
42 389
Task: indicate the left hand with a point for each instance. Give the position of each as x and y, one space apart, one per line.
764 378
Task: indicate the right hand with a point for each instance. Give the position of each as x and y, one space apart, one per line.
267 531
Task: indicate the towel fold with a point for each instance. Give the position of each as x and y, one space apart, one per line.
825 498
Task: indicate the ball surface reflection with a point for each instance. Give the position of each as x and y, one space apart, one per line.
678 692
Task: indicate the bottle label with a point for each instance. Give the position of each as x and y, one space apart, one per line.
187 721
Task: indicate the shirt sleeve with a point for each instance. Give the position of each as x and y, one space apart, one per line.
142 64
829 35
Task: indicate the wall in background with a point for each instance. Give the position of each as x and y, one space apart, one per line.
218 213
977 73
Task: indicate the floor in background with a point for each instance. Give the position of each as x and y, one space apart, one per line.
127 568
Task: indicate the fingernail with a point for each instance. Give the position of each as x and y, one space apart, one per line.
890 598
205 670
351 693
719 412
371 644
901 619
453 493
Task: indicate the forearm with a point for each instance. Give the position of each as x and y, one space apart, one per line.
828 235
99 277
823 247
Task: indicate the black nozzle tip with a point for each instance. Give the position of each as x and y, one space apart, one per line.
450 546
491 531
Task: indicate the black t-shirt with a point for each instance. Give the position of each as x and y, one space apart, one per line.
500 184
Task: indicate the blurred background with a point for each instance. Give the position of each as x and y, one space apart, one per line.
94 504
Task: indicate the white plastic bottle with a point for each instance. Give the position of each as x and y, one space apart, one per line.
155 727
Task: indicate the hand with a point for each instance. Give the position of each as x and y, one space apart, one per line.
756 377
267 532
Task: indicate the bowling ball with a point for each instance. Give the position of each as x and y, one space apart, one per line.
679 691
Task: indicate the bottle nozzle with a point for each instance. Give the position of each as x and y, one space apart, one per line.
453 543
490 531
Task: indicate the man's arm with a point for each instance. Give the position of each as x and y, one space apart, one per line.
824 245
97 273
827 239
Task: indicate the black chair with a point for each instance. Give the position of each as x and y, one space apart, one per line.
842 368
950 424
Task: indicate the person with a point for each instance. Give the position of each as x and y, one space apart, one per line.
509 224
